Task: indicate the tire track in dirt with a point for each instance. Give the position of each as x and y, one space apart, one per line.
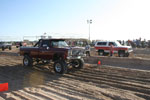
114 79
108 82
117 78
47 95
144 90
70 87
27 95
115 75
147 97
90 83
143 95
53 77
62 92
72 90
86 90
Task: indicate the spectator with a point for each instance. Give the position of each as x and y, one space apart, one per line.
111 49
87 49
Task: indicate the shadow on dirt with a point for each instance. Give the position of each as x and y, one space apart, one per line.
9 53
19 77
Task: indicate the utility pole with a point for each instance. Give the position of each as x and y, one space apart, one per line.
89 22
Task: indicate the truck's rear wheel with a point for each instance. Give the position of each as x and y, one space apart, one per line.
27 61
78 63
60 67
101 52
9 48
127 55
121 54
3 48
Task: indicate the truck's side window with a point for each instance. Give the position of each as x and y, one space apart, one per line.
54 44
45 43
37 44
114 44
101 43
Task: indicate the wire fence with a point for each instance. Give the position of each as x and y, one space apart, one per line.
47 35
10 38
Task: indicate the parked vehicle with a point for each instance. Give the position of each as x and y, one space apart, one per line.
53 50
18 44
103 48
4 45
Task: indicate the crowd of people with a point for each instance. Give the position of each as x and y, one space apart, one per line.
137 43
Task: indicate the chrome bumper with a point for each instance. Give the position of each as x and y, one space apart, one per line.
70 58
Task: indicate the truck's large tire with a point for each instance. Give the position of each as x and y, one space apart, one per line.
27 61
78 63
121 53
101 52
60 67
3 48
127 55
10 48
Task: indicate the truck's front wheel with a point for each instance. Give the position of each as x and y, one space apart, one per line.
78 63
101 52
3 48
10 48
121 53
127 55
27 61
60 67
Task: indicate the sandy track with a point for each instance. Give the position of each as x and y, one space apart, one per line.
90 83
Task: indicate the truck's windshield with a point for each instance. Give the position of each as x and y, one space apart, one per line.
118 44
59 44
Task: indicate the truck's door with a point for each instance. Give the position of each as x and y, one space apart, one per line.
114 46
35 51
45 52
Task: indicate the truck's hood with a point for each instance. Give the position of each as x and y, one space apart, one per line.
124 47
27 48
78 47
74 51
77 51
129 48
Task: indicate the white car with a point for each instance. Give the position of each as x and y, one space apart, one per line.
103 48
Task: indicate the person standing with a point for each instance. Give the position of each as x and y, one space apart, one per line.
111 49
87 48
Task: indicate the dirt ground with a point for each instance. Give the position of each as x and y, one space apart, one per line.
91 83
143 53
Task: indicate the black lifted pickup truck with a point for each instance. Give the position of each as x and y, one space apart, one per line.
54 50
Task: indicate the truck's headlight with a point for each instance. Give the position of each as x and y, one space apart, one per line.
81 53
79 57
69 52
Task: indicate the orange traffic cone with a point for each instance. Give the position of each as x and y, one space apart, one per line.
3 87
99 62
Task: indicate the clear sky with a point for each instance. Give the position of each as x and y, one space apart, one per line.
112 19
